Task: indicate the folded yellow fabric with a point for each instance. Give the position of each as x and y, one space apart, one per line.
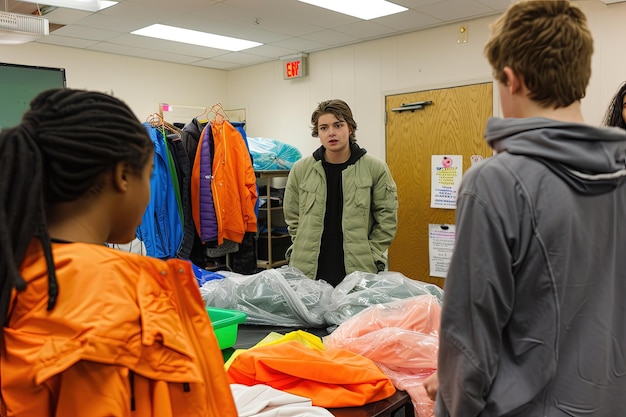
301 336
330 378
274 338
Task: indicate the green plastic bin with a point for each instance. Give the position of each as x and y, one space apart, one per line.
226 323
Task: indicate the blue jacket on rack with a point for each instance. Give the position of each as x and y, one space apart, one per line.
161 230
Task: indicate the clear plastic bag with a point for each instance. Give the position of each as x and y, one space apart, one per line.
360 290
275 297
270 154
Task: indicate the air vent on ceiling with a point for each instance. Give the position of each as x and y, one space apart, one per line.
19 28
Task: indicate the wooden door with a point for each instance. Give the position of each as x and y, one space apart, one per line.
453 124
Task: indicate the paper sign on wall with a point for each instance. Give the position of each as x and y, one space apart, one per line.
440 247
447 171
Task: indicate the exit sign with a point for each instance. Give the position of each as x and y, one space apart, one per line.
294 66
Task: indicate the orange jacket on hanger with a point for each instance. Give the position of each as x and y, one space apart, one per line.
129 336
233 185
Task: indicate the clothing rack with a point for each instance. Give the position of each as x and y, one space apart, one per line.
178 113
156 120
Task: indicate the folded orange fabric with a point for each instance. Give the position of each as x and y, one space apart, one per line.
330 378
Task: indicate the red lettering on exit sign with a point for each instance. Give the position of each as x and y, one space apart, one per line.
294 66
293 69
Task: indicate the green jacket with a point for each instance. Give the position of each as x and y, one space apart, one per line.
369 218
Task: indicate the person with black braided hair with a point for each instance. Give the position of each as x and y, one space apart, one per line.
616 112
89 330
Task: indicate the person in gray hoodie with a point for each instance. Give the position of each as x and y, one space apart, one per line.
534 314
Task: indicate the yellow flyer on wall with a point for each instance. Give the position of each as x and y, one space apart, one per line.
447 171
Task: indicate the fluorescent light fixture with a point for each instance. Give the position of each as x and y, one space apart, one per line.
194 37
363 9
86 5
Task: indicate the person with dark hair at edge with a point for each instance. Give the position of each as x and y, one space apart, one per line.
534 320
340 203
89 330
616 112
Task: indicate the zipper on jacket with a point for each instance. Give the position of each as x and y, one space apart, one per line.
186 387
131 380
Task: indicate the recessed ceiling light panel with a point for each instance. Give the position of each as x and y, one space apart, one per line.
363 9
194 37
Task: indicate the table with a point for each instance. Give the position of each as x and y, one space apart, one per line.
389 407
250 335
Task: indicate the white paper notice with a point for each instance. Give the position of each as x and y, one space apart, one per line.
447 171
440 246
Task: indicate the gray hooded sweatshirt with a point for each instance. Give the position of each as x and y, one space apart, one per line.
534 315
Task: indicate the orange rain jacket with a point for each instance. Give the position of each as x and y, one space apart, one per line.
233 185
129 336
330 377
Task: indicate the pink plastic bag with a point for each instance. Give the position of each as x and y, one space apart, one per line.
402 337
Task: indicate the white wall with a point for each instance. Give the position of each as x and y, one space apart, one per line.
361 74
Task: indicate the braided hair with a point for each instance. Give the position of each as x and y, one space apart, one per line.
613 116
65 141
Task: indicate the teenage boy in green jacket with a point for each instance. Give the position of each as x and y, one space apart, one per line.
340 204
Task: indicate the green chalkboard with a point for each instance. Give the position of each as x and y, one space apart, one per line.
19 84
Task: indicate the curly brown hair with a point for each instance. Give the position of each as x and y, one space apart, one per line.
548 44
340 109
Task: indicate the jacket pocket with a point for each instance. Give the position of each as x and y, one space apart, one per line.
308 195
391 197
363 193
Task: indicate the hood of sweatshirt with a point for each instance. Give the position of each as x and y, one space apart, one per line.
356 152
590 159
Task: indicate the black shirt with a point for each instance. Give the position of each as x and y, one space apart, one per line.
331 266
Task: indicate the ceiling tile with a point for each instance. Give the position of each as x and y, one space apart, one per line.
223 28
296 11
258 18
65 41
180 6
283 26
366 29
243 58
143 53
454 10
330 37
167 46
497 5
300 44
215 64
414 4
270 51
86 32
408 20
65 16
121 24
